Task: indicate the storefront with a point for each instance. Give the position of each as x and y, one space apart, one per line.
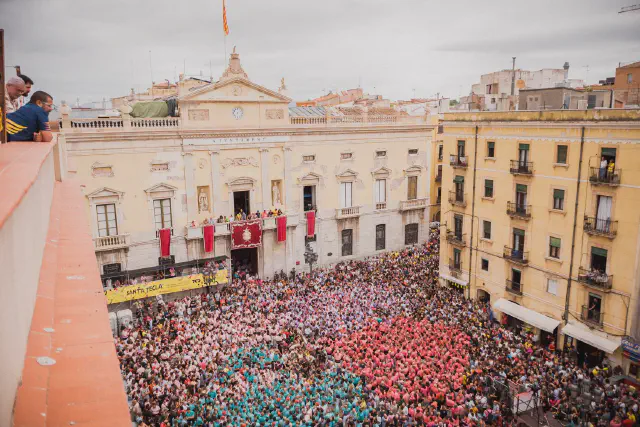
631 354
454 282
592 348
542 327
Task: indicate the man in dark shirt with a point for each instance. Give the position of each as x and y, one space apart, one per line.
31 122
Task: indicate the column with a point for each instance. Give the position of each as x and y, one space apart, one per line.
216 185
288 196
265 181
190 186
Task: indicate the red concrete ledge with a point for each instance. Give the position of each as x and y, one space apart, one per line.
20 163
70 329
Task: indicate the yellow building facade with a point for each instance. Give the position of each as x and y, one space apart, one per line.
238 145
540 217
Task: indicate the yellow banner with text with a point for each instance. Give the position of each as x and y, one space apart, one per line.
165 286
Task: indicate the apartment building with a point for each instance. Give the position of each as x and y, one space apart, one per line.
540 218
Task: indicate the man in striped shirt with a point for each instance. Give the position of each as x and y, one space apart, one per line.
31 122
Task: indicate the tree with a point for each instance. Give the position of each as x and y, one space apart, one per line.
453 102
310 257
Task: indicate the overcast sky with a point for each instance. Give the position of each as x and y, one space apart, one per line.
91 49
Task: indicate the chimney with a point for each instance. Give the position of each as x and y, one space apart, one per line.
566 70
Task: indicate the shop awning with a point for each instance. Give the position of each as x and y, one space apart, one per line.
582 333
454 279
529 316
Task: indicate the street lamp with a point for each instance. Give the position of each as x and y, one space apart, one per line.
310 257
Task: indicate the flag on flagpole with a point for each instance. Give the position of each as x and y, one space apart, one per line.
225 25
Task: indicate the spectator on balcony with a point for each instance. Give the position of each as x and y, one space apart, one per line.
610 170
603 168
14 88
28 83
31 122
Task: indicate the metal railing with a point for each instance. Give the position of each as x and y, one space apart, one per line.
515 255
514 287
591 316
458 161
518 210
595 279
457 198
600 227
602 176
439 177
453 267
455 238
519 167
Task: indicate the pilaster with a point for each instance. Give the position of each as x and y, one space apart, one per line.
265 181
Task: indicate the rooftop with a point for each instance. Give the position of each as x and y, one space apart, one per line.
604 115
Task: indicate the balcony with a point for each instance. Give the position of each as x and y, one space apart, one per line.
593 317
455 238
351 212
595 279
514 287
110 243
59 365
407 205
457 199
516 256
600 227
521 168
518 210
459 162
454 269
439 177
381 206
598 176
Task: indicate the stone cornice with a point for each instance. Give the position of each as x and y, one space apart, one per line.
238 133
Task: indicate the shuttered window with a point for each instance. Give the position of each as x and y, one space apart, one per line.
162 213
107 223
346 196
558 199
412 190
521 188
561 156
488 188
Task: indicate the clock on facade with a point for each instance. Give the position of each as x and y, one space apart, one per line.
237 113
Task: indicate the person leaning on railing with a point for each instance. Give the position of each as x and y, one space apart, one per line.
31 122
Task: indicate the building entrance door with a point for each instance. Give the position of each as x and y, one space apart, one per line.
244 262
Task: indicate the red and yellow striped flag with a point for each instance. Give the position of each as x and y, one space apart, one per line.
225 25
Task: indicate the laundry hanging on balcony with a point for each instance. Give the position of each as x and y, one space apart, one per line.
165 242
207 232
311 223
281 222
246 234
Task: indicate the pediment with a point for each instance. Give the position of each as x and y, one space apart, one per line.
105 192
162 187
234 90
413 170
347 175
243 181
382 172
310 178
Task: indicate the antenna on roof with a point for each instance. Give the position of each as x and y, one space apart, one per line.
151 68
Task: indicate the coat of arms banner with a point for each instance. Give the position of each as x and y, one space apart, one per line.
246 234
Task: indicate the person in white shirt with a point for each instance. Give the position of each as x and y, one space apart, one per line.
14 88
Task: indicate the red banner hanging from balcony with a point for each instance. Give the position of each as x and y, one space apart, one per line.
165 241
246 234
281 222
207 232
311 223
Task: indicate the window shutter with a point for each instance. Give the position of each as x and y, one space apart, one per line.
518 232
562 154
491 144
555 242
521 188
598 251
609 152
349 195
488 183
461 143
524 147
343 194
558 194
458 179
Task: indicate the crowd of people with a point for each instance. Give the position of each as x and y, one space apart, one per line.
241 215
377 342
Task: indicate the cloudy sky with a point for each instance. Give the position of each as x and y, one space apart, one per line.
91 49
